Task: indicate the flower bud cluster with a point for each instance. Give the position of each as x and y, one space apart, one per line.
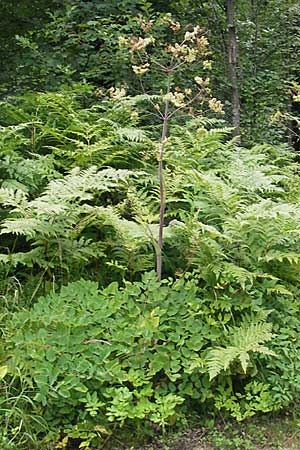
182 51
207 65
136 43
167 58
202 45
192 35
145 25
117 93
215 106
176 98
139 43
202 82
173 25
141 69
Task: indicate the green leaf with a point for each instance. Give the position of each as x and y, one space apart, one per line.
3 372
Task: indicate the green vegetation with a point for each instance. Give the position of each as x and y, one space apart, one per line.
255 434
149 252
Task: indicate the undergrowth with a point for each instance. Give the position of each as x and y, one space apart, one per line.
91 342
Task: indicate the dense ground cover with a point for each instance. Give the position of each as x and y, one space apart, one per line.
91 341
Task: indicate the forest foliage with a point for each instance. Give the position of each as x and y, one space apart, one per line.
94 340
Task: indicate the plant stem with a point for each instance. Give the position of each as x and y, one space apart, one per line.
162 194
233 69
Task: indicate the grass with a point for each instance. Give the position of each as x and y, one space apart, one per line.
259 434
264 433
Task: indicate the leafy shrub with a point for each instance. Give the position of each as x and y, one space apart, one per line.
143 352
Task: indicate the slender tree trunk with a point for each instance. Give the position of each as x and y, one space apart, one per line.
255 5
233 77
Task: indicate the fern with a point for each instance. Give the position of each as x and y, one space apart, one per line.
12 197
243 341
104 134
281 256
22 226
132 134
234 274
61 224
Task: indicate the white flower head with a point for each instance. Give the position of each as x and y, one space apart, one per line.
140 70
117 93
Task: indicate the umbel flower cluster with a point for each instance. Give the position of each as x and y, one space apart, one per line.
169 56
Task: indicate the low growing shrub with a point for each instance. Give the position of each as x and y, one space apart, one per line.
94 359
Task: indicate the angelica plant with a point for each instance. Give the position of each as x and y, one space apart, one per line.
171 58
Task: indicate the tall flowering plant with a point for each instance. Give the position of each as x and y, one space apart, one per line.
171 53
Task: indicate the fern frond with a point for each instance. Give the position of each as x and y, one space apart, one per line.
243 341
79 184
219 359
132 134
27 259
12 197
233 273
250 335
280 256
22 226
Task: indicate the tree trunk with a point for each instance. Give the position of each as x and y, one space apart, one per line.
232 60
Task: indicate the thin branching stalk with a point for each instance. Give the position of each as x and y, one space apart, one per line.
191 48
162 194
